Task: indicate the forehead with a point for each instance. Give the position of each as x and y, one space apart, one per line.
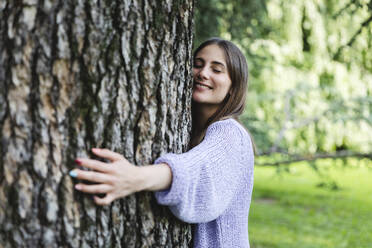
212 53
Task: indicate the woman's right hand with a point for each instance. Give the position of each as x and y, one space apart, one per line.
118 178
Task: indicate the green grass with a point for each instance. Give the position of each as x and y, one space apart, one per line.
289 211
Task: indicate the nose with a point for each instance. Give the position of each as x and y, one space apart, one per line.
203 73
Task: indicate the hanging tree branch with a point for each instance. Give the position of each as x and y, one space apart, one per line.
351 41
344 8
288 125
287 111
298 158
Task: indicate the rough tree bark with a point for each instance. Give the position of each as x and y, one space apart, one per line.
81 74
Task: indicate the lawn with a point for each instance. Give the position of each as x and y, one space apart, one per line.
289 210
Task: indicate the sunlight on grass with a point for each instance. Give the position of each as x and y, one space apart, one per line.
289 210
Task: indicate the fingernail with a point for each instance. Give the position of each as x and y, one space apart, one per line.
77 161
73 174
78 186
95 149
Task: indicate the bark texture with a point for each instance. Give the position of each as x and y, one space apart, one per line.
81 74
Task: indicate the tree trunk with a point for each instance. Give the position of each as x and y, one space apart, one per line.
81 74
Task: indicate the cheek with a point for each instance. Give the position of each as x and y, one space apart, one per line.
224 84
194 72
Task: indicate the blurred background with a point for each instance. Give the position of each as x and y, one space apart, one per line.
309 110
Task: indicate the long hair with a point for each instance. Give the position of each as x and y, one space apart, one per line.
233 104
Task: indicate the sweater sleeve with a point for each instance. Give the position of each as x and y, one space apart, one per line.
206 178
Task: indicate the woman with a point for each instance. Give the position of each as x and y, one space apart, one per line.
211 184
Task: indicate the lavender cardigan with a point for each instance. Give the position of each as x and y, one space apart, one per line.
212 186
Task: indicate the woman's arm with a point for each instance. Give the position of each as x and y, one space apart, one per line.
207 178
156 177
198 185
119 178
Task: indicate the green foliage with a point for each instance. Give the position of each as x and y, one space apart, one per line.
310 68
290 212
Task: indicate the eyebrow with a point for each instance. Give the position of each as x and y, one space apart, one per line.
213 62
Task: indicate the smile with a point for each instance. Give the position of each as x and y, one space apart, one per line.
203 85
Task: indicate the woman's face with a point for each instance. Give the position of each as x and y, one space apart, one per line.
211 78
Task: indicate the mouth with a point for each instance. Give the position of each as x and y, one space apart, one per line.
203 85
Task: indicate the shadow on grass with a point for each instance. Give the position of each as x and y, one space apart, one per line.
266 200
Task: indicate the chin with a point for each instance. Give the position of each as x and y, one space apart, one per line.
197 98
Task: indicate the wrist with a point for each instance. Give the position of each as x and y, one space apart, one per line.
155 177
145 180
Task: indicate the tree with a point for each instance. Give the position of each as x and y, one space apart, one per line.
81 74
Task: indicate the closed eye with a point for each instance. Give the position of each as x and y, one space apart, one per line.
198 63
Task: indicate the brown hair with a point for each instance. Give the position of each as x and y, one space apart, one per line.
233 104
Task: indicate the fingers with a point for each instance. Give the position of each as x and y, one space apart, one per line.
104 201
94 189
90 176
103 174
93 164
106 153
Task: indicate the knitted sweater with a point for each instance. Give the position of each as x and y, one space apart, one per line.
212 186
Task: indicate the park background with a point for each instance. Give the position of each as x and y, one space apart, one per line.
309 110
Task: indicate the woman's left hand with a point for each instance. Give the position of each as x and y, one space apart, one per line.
116 179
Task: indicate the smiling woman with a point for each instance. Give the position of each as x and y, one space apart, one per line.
221 66
211 184
211 78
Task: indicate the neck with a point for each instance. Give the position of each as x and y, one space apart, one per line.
201 114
